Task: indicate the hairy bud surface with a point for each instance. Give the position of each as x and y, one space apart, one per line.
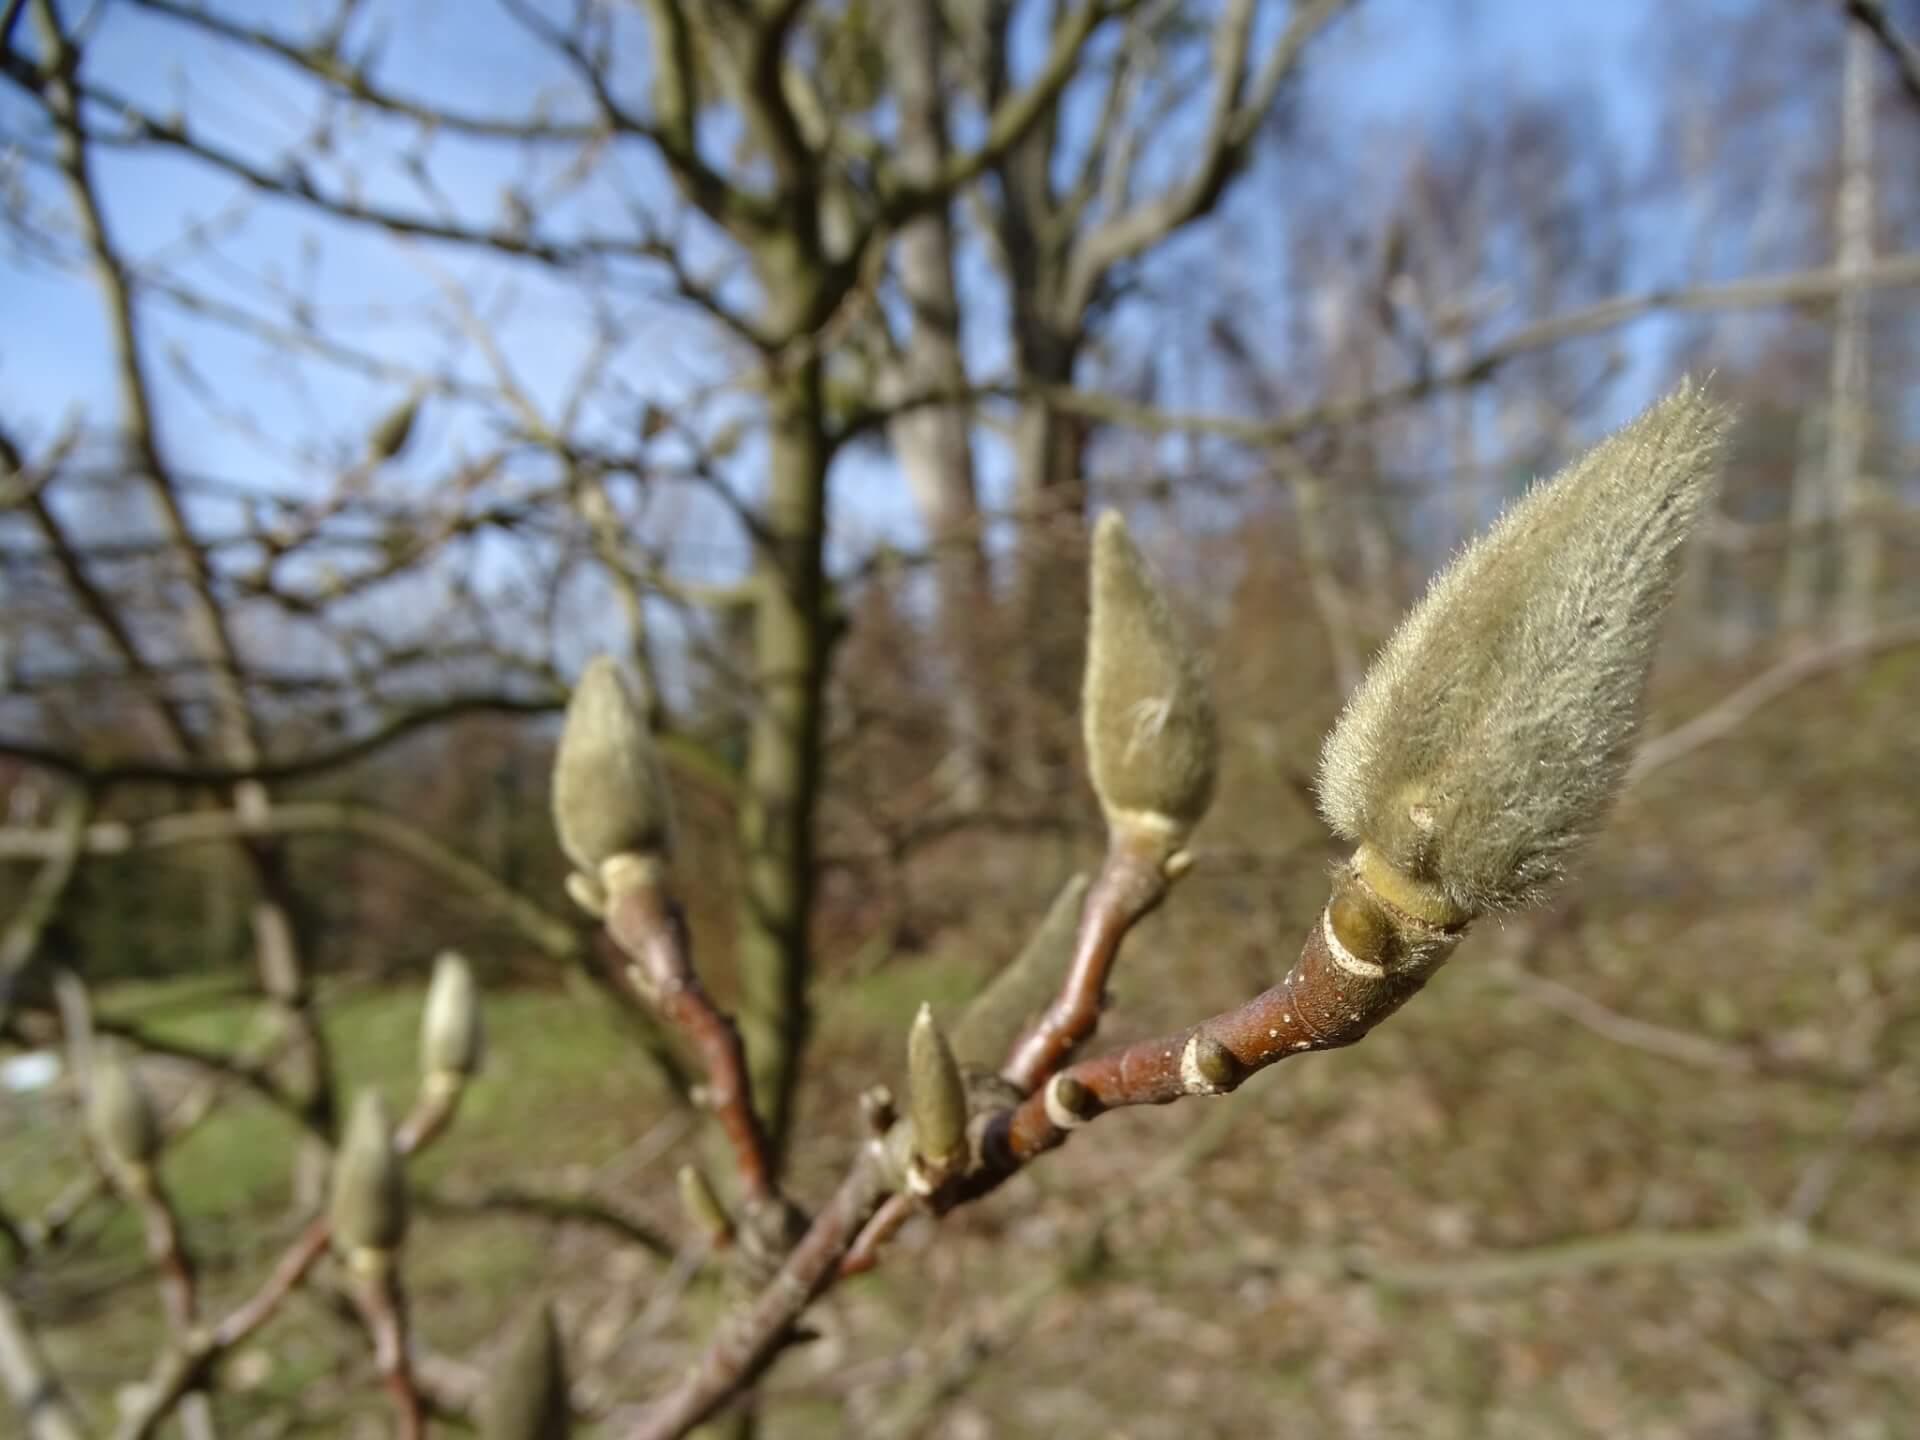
1491 734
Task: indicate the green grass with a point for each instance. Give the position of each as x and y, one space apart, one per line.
562 1091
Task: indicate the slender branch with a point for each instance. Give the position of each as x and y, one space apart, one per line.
1726 716
549 933
29 921
293 1266
1323 1003
1878 1272
261 770
24 482
382 1302
184 1364
644 921
556 1209
1232 121
325 64
1794 288
1011 121
277 951
1326 1001
1799 287
1904 53
31 1383
179 1291
748 1340
1130 884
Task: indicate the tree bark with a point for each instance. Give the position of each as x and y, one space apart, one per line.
790 643
933 444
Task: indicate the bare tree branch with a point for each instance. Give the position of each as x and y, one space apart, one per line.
33 1387
1234 114
1739 705
1904 53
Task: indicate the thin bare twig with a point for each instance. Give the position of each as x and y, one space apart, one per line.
181 1367
38 906
1723 718
645 923
1876 1271
1130 884
383 1306
31 1383
1904 53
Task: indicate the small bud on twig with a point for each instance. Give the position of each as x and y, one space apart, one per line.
703 1207
1069 1102
391 431
121 1114
450 1030
609 795
936 1098
1491 734
1148 719
368 1210
1207 1066
527 1398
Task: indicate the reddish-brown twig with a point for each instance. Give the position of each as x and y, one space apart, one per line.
180 1370
885 1223
165 1247
383 1306
748 1341
1328 999
645 923
1131 882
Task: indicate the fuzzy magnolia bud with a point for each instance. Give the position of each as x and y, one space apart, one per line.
527 1397
1491 734
450 1032
609 796
120 1113
369 1204
1148 719
936 1097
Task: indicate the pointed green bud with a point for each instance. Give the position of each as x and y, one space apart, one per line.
527 1397
703 1207
120 1113
936 1097
450 1031
1152 744
391 432
1491 734
609 795
369 1205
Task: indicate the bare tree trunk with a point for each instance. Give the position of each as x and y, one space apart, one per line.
933 444
790 643
1848 419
